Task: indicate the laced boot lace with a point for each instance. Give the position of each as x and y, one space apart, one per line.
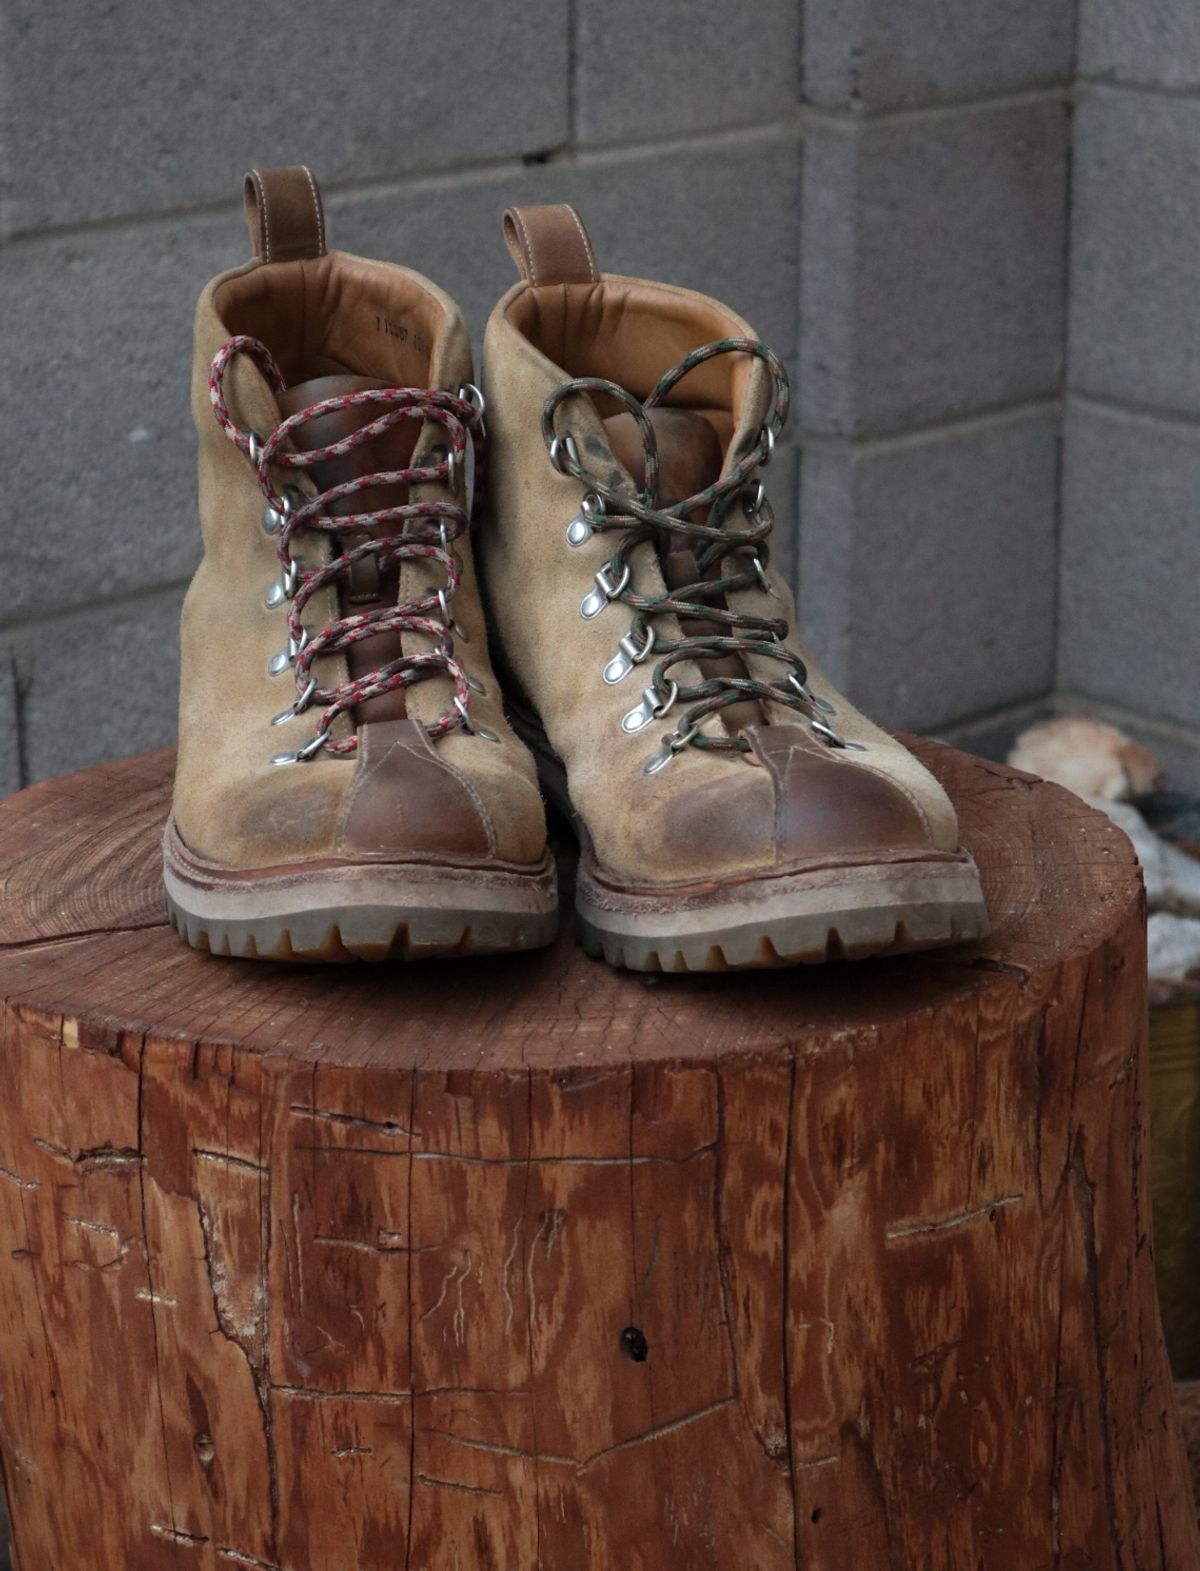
737 557
424 530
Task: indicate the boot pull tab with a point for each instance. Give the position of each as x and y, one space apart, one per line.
284 214
550 245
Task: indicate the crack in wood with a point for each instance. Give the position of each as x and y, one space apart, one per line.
581 1465
466 1489
228 1159
176 1535
353 1121
958 1219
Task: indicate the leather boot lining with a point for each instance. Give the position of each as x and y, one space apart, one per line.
631 333
337 316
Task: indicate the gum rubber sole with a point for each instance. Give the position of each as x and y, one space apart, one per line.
804 919
365 911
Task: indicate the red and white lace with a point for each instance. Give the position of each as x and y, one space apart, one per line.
458 415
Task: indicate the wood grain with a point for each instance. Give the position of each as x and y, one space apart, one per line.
531 1265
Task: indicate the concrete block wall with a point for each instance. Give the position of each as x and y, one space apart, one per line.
884 191
1129 601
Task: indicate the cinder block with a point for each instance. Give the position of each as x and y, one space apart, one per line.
683 65
932 263
102 687
1141 41
927 567
1130 567
10 781
1135 308
685 219
100 467
141 108
878 52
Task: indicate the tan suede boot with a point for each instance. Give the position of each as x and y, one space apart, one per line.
347 784
732 808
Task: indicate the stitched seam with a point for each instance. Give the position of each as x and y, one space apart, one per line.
587 244
264 215
468 786
312 186
529 256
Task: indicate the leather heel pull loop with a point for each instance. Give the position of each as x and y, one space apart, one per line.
284 214
550 245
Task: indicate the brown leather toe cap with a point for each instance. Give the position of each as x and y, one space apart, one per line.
406 802
829 803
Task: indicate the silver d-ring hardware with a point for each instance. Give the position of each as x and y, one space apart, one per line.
768 440
475 685
629 655
273 519
299 706
470 394
672 744
302 754
834 738
452 626
761 574
254 448
752 502
809 697
469 727
279 663
582 526
596 599
284 588
562 448
652 707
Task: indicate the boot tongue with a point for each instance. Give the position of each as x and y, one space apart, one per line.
392 449
689 451
363 587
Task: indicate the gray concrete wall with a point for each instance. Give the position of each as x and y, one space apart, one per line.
1129 600
882 189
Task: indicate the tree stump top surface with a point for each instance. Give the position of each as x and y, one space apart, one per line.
84 936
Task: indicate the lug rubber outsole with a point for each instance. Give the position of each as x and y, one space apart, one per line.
811 918
365 911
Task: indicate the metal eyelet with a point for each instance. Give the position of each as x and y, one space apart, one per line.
596 599
629 655
766 583
473 730
452 626
652 707
273 519
563 447
826 733
280 662
284 588
470 394
299 706
752 501
475 685
672 744
582 526
809 697
302 754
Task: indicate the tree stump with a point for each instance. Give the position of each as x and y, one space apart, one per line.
528 1263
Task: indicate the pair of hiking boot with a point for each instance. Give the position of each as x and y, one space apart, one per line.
409 614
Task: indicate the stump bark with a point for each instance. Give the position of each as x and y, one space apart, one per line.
528 1263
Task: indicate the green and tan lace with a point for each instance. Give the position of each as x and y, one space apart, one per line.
743 555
